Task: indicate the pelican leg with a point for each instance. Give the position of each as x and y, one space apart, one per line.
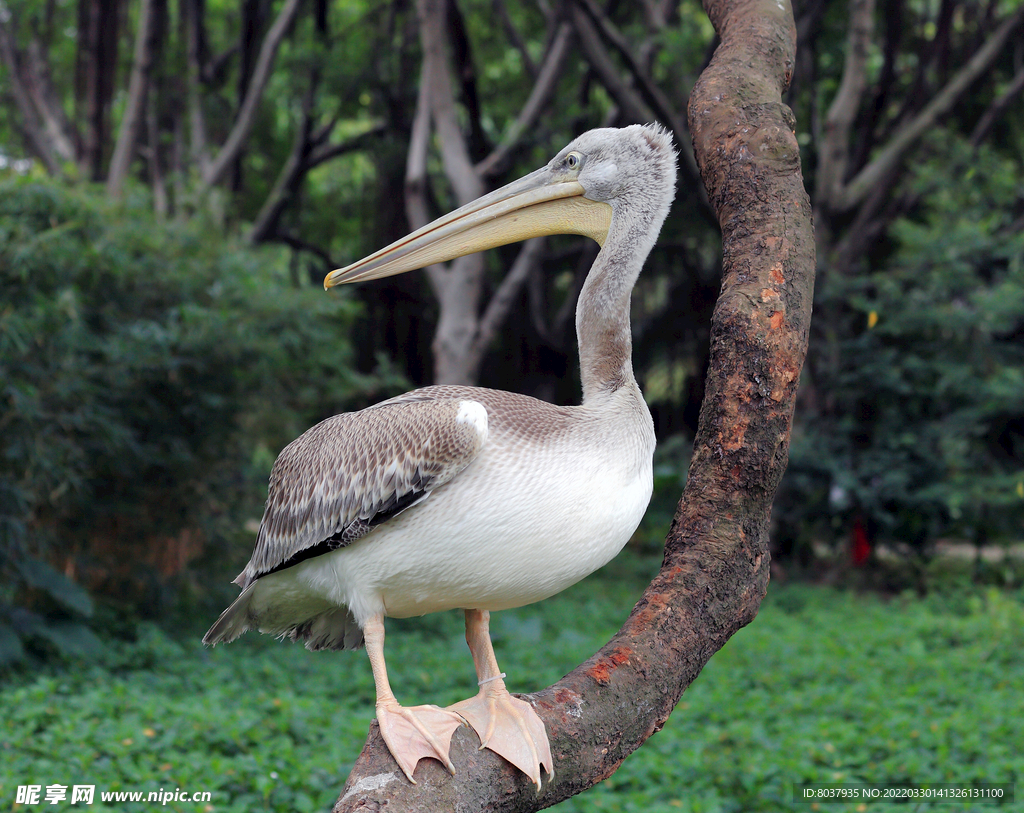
506 725
410 733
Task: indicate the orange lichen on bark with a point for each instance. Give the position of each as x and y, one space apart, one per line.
601 671
735 419
653 605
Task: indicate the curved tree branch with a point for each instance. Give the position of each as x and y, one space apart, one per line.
633 106
135 106
304 156
861 185
997 108
254 93
645 85
715 570
643 101
514 37
543 89
835 149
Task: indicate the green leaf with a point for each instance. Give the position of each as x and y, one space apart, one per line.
41 576
11 650
71 638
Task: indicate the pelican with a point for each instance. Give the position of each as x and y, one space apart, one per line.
454 497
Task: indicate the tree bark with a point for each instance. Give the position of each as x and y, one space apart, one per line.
97 70
49 145
462 337
868 178
538 100
135 106
715 570
246 117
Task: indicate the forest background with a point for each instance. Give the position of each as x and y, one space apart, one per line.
178 176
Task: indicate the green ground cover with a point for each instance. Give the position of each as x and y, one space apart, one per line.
825 686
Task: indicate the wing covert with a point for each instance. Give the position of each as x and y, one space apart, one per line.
352 472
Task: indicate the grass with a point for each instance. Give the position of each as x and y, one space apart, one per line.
824 687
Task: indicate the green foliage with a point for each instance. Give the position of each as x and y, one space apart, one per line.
829 687
823 687
919 426
148 375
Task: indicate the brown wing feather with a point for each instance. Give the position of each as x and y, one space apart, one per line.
351 472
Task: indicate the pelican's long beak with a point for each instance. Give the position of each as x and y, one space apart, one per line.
535 205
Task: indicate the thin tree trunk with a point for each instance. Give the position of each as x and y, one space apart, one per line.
308 152
868 178
997 108
246 117
543 89
644 100
41 142
834 154
138 91
715 570
97 67
157 182
253 16
458 285
462 335
192 12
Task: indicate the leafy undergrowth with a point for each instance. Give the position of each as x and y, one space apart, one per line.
824 687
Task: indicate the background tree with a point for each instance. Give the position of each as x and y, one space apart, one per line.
327 129
889 438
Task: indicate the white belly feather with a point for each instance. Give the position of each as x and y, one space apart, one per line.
512 529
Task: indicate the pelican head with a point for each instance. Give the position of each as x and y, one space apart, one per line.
604 179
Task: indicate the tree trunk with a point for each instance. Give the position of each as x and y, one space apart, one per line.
715 570
97 70
246 117
42 118
458 285
462 336
253 14
138 90
192 13
857 194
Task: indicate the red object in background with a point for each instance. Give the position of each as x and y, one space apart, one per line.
860 549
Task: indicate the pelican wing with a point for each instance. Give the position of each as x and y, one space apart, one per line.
352 472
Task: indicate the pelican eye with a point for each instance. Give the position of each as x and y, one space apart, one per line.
574 160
